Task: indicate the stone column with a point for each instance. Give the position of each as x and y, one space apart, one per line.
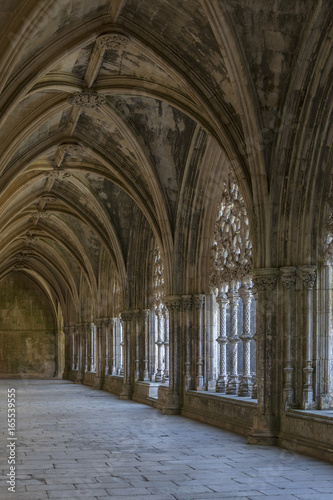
222 381
289 285
92 345
166 346
127 390
86 352
121 337
173 403
60 350
308 274
113 344
187 310
210 341
67 352
265 424
98 383
145 318
136 332
245 386
233 382
106 348
159 344
79 334
199 301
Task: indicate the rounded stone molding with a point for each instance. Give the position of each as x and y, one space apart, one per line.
90 100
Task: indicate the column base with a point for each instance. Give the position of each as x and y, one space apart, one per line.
233 385
173 405
307 400
245 387
264 431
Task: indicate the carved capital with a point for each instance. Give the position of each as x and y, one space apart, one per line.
90 100
126 316
187 302
288 277
199 301
173 302
265 279
112 41
308 275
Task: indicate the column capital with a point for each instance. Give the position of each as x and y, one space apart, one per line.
172 302
265 279
199 301
126 315
187 302
288 277
308 275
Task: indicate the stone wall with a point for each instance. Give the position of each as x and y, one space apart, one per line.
27 340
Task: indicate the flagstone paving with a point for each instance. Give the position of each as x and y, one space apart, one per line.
77 442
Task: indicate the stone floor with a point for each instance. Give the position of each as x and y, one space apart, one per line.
77 442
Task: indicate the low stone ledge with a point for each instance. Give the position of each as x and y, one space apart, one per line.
113 384
227 412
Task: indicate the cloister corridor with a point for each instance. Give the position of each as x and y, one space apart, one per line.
77 442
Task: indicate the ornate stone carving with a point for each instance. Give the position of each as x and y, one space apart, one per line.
231 253
308 274
264 283
40 214
126 316
288 277
57 173
112 41
199 301
158 278
173 304
187 302
90 100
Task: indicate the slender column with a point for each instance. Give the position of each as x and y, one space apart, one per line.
72 334
99 327
159 344
265 423
92 346
308 274
289 285
187 308
106 347
173 403
60 343
254 394
210 341
245 387
136 326
222 381
127 390
67 352
121 336
233 382
113 343
199 301
79 335
86 352
166 345
145 317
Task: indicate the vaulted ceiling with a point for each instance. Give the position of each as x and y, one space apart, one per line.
105 106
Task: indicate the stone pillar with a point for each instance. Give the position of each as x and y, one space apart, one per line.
233 382
187 310
145 318
166 346
308 274
127 390
67 353
87 358
98 383
210 341
173 403
136 332
60 349
265 424
80 367
222 381
159 344
245 386
92 345
289 286
199 301
113 344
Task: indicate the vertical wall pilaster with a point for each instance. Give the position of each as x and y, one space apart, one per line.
308 275
265 425
199 302
145 319
245 387
288 277
166 345
127 390
173 403
187 325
